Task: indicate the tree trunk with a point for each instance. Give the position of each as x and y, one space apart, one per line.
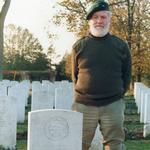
130 21
3 13
138 76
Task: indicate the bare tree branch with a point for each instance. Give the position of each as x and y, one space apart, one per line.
84 9
116 3
70 8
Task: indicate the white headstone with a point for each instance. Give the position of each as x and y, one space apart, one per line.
137 93
8 122
144 90
57 84
19 94
28 83
45 82
51 91
146 130
63 98
55 130
6 82
147 108
41 100
13 83
3 90
36 85
25 85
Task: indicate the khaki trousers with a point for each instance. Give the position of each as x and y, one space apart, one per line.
110 118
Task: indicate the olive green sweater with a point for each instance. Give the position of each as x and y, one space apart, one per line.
101 69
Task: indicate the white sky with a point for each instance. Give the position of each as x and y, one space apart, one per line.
35 15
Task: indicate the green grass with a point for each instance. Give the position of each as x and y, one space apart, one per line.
21 145
21 128
130 145
137 145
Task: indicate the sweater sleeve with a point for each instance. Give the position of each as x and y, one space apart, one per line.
126 67
76 50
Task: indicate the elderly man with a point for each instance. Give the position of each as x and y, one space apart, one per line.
101 71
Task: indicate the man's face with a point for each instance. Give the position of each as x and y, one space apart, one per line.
99 23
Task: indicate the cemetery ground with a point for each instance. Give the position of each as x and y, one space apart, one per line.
133 128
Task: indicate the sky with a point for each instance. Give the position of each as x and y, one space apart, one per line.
35 15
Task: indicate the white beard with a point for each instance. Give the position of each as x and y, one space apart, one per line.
99 31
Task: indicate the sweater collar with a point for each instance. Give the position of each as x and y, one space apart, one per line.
99 38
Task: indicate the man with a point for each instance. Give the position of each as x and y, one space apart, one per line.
101 71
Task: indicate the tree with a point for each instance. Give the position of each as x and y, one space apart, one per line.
62 72
3 12
130 21
23 51
72 15
41 63
135 27
51 52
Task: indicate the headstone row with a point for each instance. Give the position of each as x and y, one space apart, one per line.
48 128
8 121
12 110
142 99
19 90
46 95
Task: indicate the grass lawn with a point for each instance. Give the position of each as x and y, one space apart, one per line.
130 145
21 145
137 144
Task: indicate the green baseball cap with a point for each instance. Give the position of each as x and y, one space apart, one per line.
99 5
